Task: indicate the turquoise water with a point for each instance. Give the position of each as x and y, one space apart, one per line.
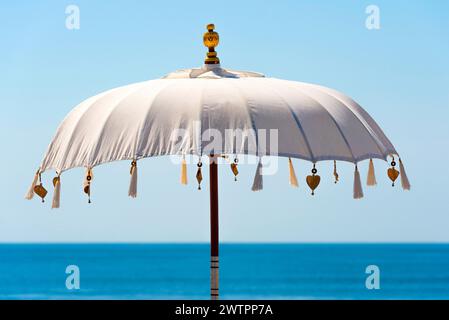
262 271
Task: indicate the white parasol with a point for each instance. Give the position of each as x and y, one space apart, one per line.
211 111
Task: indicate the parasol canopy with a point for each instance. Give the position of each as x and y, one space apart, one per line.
211 111
142 120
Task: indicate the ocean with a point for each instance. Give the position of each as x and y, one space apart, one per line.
247 271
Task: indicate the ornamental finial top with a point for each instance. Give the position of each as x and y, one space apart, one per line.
211 40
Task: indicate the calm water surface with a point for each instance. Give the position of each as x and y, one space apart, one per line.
247 271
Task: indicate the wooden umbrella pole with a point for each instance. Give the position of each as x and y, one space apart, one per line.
213 167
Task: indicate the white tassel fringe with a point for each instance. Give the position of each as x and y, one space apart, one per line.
30 194
57 194
258 180
184 172
293 179
133 183
404 179
358 192
371 179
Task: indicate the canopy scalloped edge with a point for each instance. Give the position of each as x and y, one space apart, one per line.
293 156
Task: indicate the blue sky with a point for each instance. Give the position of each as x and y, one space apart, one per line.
399 74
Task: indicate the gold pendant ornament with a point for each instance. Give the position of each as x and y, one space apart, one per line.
40 190
393 174
87 183
199 175
86 189
313 180
234 168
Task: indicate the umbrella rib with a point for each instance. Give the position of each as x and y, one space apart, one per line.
72 135
146 116
298 124
198 139
108 117
332 119
370 131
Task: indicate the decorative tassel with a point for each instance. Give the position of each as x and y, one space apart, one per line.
184 172
293 179
57 192
371 179
30 194
335 171
258 179
404 179
87 183
133 183
358 192
199 175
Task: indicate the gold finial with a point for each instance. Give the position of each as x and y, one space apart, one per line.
211 40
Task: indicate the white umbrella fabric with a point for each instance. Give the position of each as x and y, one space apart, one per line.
137 121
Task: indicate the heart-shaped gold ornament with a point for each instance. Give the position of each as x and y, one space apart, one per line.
393 174
313 181
40 191
235 170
